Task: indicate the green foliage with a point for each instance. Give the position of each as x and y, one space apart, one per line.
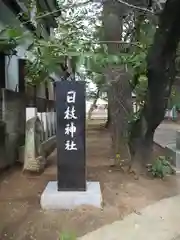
147 31
44 61
141 89
135 116
67 236
174 99
161 167
10 38
137 59
77 36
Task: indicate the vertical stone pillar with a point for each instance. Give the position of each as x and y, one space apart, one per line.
70 101
31 112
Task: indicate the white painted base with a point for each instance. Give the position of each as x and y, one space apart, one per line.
52 199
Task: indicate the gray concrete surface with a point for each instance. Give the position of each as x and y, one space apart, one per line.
176 238
166 134
51 199
160 221
166 137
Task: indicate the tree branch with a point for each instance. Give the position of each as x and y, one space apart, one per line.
122 42
58 10
136 7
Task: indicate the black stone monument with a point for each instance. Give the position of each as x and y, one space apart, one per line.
70 108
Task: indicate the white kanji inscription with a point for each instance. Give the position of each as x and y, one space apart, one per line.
70 145
71 97
70 113
70 129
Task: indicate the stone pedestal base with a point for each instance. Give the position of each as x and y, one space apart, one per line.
51 199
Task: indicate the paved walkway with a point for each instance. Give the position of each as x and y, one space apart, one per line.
160 221
176 238
166 133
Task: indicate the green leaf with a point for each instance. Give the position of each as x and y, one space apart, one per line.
14 32
67 236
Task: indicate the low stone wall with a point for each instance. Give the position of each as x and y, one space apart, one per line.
37 149
48 147
12 126
173 151
13 114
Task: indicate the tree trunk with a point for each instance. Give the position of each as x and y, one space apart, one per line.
120 105
108 122
161 74
93 105
119 99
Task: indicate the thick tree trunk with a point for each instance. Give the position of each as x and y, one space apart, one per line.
120 105
93 105
119 99
161 74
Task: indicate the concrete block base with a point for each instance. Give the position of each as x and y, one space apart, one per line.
51 199
174 154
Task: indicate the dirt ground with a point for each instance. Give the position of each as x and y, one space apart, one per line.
22 219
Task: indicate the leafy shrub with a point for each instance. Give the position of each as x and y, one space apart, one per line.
161 167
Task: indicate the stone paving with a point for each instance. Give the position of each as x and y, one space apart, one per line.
176 238
159 221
